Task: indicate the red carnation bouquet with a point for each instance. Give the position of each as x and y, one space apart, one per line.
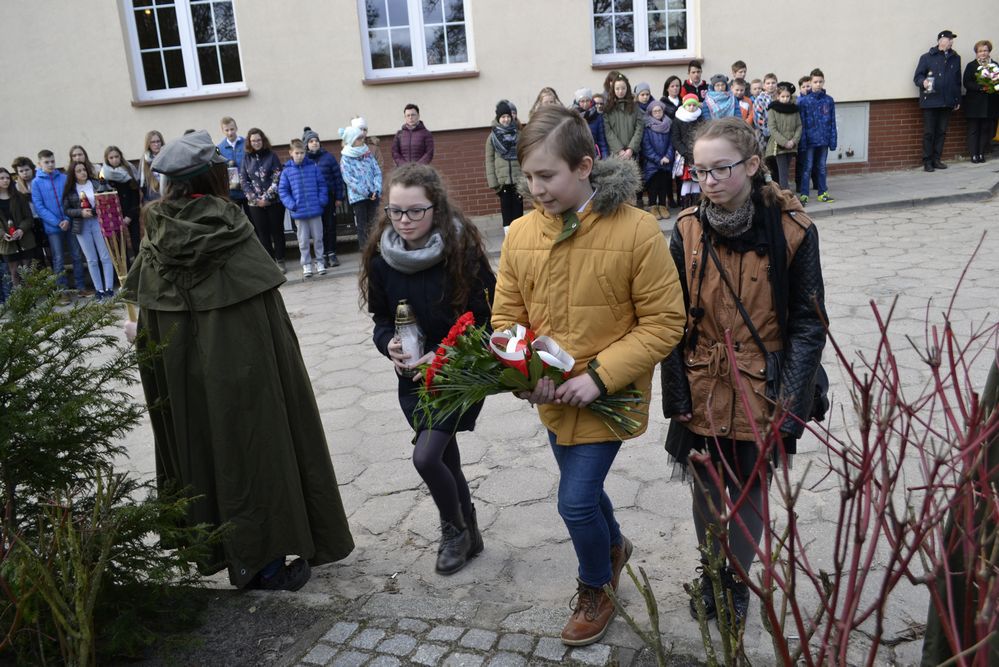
471 364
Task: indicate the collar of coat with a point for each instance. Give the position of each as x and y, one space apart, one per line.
615 180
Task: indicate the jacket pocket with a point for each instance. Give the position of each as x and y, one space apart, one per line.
616 310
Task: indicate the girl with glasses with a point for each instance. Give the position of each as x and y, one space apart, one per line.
424 250
747 243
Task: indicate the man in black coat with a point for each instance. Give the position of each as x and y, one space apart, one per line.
938 77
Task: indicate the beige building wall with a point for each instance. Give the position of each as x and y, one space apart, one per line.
68 78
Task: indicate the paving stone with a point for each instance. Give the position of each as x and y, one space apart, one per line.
428 654
427 608
481 640
594 654
351 659
516 642
463 660
340 632
445 633
508 660
384 661
321 654
368 638
413 625
550 648
397 645
381 622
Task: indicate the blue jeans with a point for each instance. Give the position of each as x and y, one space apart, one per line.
93 246
814 160
57 245
585 507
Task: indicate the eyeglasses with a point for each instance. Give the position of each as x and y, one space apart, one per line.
718 173
414 214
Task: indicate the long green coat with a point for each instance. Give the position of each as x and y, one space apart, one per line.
232 408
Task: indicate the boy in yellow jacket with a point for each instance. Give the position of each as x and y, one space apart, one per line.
595 274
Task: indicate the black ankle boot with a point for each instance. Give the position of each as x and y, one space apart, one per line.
456 543
707 595
472 524
736 594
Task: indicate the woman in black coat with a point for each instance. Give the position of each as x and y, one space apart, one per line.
425 251
981 109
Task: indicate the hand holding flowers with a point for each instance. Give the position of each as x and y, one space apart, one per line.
987 76
471 364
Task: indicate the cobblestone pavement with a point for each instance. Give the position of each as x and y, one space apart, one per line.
508 605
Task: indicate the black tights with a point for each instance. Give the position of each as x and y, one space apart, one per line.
742 457
438 461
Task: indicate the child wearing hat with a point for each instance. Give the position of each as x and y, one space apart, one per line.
502 167
720 103
657 155
583 103
330 169
643 95
231 422
685 125
363 177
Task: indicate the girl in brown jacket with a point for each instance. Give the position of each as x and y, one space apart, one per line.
722 247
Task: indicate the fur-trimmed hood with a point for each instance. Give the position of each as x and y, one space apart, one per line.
615 180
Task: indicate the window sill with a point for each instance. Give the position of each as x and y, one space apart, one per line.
643 62
420 77
191 98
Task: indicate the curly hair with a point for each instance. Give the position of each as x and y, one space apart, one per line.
463 246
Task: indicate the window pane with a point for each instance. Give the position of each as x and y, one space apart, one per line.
375 9
145 29
174 61
603 35
658 5
657 31
678 4
208 64
436 49
454 10
225 22
232 71
142 3
457 48
398 13
432 11
678 30
622 5
402 49
624 35
152 70
378 45
601 6
169 33
204 31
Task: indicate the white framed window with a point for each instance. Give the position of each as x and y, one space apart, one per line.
182 48
403 38
642 30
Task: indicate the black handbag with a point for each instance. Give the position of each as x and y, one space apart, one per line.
680 440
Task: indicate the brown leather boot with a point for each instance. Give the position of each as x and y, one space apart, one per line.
591 616
619 554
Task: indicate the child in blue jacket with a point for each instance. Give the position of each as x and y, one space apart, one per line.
303 192
657 156
330 169
818 136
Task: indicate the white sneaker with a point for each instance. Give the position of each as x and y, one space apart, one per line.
321 267
306 270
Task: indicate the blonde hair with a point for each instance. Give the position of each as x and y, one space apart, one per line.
743 138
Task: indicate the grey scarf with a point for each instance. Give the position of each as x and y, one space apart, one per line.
393 250
729 224
120 174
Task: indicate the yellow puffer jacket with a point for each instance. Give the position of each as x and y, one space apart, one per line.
609 292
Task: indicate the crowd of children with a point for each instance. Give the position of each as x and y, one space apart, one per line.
627 122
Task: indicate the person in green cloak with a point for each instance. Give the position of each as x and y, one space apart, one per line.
234 417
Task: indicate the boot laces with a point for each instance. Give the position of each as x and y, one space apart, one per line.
450 534
585 601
